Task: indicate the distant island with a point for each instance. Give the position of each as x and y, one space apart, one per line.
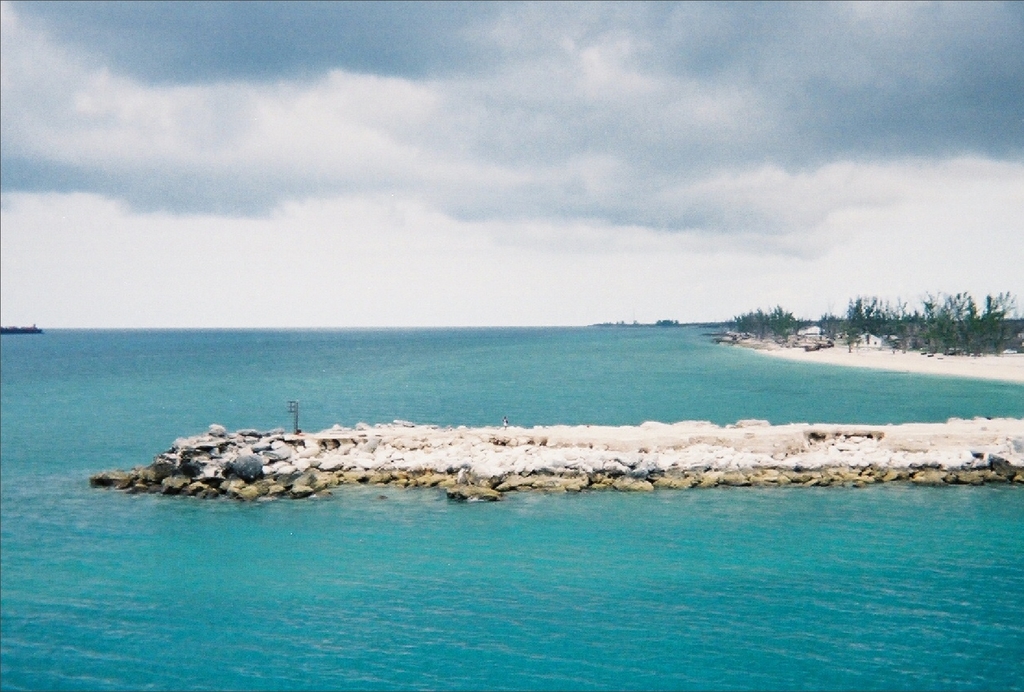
663 323
957 335
945 324
21 330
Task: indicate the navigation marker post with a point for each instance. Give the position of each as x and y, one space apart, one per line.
293 408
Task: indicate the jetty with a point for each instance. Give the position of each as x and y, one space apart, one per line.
484 464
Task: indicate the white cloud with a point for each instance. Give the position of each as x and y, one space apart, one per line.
580 181
81 260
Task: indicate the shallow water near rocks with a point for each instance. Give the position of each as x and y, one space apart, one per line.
890 587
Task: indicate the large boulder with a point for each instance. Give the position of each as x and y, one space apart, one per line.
105 479
173 485
248 493
929 477
190 466
735 478
249 468
1001 466
633 485
157 471
332 464
969 476
298 491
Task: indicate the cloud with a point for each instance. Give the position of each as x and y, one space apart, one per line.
585 112
659 137
207 42
84 260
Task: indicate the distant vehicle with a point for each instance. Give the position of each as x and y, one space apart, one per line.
21 330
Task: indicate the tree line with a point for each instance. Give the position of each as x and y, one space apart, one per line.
952 324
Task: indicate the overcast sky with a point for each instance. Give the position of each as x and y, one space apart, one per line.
392 164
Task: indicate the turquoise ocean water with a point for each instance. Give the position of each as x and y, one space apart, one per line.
878 588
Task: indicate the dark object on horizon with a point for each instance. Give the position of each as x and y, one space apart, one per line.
662 323
21 330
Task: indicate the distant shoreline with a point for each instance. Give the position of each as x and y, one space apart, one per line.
1006 367
660 324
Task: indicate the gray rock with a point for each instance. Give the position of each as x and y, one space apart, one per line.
248 468
638 473
190 467
287 479
217 430
279 451
209 443
212 471
614 468
1002 466
157 471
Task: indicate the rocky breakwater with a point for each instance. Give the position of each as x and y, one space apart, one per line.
483 464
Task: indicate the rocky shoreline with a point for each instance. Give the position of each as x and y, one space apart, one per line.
483 464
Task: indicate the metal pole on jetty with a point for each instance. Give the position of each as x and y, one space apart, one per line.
293 408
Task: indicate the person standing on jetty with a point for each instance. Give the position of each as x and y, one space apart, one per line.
504 421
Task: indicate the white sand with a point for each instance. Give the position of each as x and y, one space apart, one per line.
1006 367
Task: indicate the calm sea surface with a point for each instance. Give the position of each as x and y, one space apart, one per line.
878 588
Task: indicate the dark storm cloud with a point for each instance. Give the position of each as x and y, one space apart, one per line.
613 112
185 42
835 80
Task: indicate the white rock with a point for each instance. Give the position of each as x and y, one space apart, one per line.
331 464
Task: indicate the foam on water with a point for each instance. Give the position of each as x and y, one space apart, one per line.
886 587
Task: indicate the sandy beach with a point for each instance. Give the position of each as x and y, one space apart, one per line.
1006 367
